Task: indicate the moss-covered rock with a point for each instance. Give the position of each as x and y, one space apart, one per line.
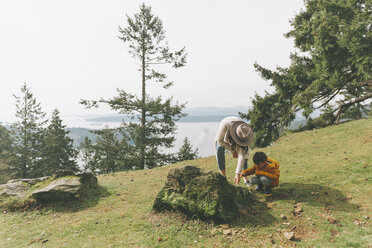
15 190
205 195
63 185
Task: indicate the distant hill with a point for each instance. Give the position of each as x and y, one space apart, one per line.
199 114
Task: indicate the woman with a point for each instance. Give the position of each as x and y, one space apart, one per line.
234 135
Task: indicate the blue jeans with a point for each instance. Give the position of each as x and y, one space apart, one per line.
262 181
220 155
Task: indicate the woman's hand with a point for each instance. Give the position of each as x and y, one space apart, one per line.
235 154
237 178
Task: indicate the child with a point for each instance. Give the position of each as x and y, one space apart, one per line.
266 171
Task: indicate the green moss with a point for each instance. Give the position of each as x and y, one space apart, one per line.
207 196
46 182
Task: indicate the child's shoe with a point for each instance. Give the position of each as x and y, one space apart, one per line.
248 184
259 187
268 191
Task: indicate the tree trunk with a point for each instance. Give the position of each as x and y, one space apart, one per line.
143 118
343 107
25 158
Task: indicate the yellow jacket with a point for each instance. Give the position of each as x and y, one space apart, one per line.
270 170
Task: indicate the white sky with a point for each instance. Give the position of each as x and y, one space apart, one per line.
68 50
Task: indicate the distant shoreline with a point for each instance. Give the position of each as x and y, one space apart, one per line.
188 119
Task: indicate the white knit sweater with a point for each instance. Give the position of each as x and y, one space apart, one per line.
222 138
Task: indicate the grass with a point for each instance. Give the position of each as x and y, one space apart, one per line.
328 172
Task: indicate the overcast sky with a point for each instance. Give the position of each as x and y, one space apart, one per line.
68 50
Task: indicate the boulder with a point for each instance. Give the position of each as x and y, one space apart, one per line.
32 181
18 188
63 173
65 185
206 195
15 190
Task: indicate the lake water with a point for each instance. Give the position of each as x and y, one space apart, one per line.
200 134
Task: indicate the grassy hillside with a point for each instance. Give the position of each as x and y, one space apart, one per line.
327 173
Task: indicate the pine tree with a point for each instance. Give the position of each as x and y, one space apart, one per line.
330 71
27 135
5 151
153 126
58 152
186 151
110 153
86 153
5 142
269 117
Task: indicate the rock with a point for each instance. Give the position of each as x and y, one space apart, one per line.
227 232
88 179
297 209
282 216
63 173
289 235
32 181
359 223
331 220
206 195
16 189
224 226
65 186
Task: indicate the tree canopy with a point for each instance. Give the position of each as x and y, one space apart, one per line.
330 71
57 149
186 151
153 118
27 134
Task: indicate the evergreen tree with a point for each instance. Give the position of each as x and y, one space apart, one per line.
27 135
5 152
336 35
186 151
153 126
5 174
57 150
86 153
268 117
109 153
5 142
331 70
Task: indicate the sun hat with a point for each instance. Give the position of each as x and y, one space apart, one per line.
241 133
